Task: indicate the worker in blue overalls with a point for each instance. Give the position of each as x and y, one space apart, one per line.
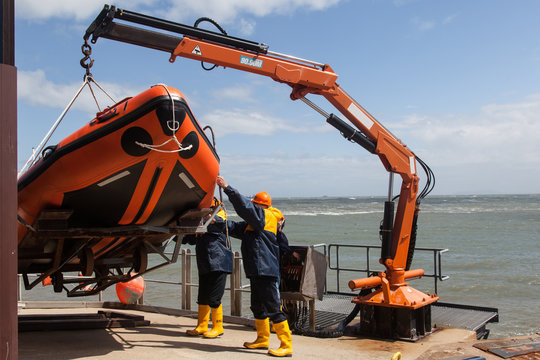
261 264
214 263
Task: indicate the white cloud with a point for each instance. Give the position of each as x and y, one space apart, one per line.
40 10
246 27
497 134
243 93
494 150
241 121
423 25
304 174
449 19
228 10
56 95
400 3
221 10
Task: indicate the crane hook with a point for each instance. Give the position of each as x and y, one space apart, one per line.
86 62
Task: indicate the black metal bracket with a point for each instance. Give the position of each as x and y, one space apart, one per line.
104 26
100 23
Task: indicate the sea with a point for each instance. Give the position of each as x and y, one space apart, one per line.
492 257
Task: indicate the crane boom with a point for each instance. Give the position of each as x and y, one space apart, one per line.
304 77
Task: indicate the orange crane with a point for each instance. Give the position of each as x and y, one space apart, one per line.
398 232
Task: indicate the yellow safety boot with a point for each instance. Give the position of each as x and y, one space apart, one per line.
263 335
217 323
202 322
272 329
284 335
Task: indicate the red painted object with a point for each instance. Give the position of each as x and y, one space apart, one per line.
130 291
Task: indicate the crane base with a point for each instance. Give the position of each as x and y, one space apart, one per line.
395 323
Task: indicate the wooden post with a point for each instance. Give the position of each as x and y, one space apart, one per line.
8 185
233 286
237 273
311 303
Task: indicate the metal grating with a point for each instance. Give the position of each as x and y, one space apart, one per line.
330 311
323 320
336 307
336 303
462 316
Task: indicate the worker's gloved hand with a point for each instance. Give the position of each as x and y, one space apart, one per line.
189 239
221 182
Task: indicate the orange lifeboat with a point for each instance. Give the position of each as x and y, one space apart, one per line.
121 169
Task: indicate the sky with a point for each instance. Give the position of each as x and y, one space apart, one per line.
457 81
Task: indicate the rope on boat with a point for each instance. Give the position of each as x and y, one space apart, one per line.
100 88
156 147
86 62
228 239
173 125
88 79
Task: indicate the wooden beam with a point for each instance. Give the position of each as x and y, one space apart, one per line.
8 185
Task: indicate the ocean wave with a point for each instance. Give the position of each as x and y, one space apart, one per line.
476 210
327 212
316 212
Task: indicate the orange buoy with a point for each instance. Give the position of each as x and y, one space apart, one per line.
130 291
47 281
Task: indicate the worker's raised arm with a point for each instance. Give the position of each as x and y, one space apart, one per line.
251 214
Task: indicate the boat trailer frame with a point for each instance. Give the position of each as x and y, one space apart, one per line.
73 250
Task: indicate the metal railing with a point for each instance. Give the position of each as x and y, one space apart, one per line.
368 270
236 288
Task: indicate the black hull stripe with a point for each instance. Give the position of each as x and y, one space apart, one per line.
148 195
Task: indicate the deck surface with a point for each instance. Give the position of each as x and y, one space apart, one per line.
165 339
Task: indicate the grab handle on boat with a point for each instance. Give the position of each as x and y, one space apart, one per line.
105 115
109 112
